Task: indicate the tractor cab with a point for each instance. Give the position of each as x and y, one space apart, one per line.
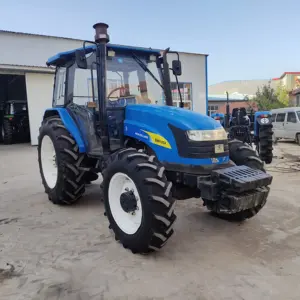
102 79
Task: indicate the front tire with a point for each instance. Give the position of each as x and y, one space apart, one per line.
59 162
7 132
266 144
137 178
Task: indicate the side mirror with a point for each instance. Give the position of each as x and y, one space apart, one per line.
176 67
81 59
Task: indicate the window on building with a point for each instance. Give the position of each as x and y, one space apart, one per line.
186 93
212 109
280 118
291 117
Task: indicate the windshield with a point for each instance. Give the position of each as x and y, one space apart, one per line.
131 79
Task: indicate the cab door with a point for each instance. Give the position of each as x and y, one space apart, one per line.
291 125
279 125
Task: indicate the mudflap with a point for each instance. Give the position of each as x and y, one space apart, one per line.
235 189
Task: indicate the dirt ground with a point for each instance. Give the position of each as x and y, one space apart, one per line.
69 252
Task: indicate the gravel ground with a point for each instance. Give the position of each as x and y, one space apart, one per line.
69 253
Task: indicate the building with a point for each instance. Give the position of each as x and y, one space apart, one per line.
24 74
291 82
240 89
217 103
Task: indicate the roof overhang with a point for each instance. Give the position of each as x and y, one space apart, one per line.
21 70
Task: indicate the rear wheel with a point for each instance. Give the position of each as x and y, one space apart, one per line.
138 201
298 139
7 132
242 154
60 163
266 144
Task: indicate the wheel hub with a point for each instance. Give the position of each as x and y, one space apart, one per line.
128 202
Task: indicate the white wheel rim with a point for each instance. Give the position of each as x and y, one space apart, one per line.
127 222
48 159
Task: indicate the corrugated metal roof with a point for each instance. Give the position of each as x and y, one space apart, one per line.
37 34
26 67
80 40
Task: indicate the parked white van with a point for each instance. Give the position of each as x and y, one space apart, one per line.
286 123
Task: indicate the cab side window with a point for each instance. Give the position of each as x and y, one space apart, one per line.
291 117
280 117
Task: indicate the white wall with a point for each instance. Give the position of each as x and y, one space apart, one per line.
32 50
194 71
39 95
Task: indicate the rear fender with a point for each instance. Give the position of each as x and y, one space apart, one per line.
69 123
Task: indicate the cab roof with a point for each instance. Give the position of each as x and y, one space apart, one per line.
62 57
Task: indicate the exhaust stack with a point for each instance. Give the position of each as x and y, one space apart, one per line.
101 35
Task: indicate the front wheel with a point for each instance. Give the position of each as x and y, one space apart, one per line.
7 132
138 201
266 144
59 162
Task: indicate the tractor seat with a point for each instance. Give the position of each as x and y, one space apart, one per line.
239 117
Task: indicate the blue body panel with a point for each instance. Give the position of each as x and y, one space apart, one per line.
142 121
256 123
155 119
220 115
68 55
70 126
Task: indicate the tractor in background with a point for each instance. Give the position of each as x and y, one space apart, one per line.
219 117
149 155
15 122
250 129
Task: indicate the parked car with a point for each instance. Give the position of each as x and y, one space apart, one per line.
286 123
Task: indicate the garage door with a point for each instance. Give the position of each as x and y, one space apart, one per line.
39 96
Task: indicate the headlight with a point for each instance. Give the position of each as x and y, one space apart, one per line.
207 135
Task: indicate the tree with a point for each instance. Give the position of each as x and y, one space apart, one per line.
282 95
266 98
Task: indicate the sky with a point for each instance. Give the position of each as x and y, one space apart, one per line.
245 39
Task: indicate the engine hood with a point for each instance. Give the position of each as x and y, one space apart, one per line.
181 118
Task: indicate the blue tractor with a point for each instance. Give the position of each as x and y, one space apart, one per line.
104 121
219 117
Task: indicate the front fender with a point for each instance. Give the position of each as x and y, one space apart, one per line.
69 123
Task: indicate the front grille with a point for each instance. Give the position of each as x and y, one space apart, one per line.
192 149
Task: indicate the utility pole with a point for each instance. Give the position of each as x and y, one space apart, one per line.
227 110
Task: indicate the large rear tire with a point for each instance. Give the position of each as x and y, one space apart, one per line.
59 162
243 154
7 132
133 180
266 144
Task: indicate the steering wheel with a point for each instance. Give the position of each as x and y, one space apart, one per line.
114 90
117 99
